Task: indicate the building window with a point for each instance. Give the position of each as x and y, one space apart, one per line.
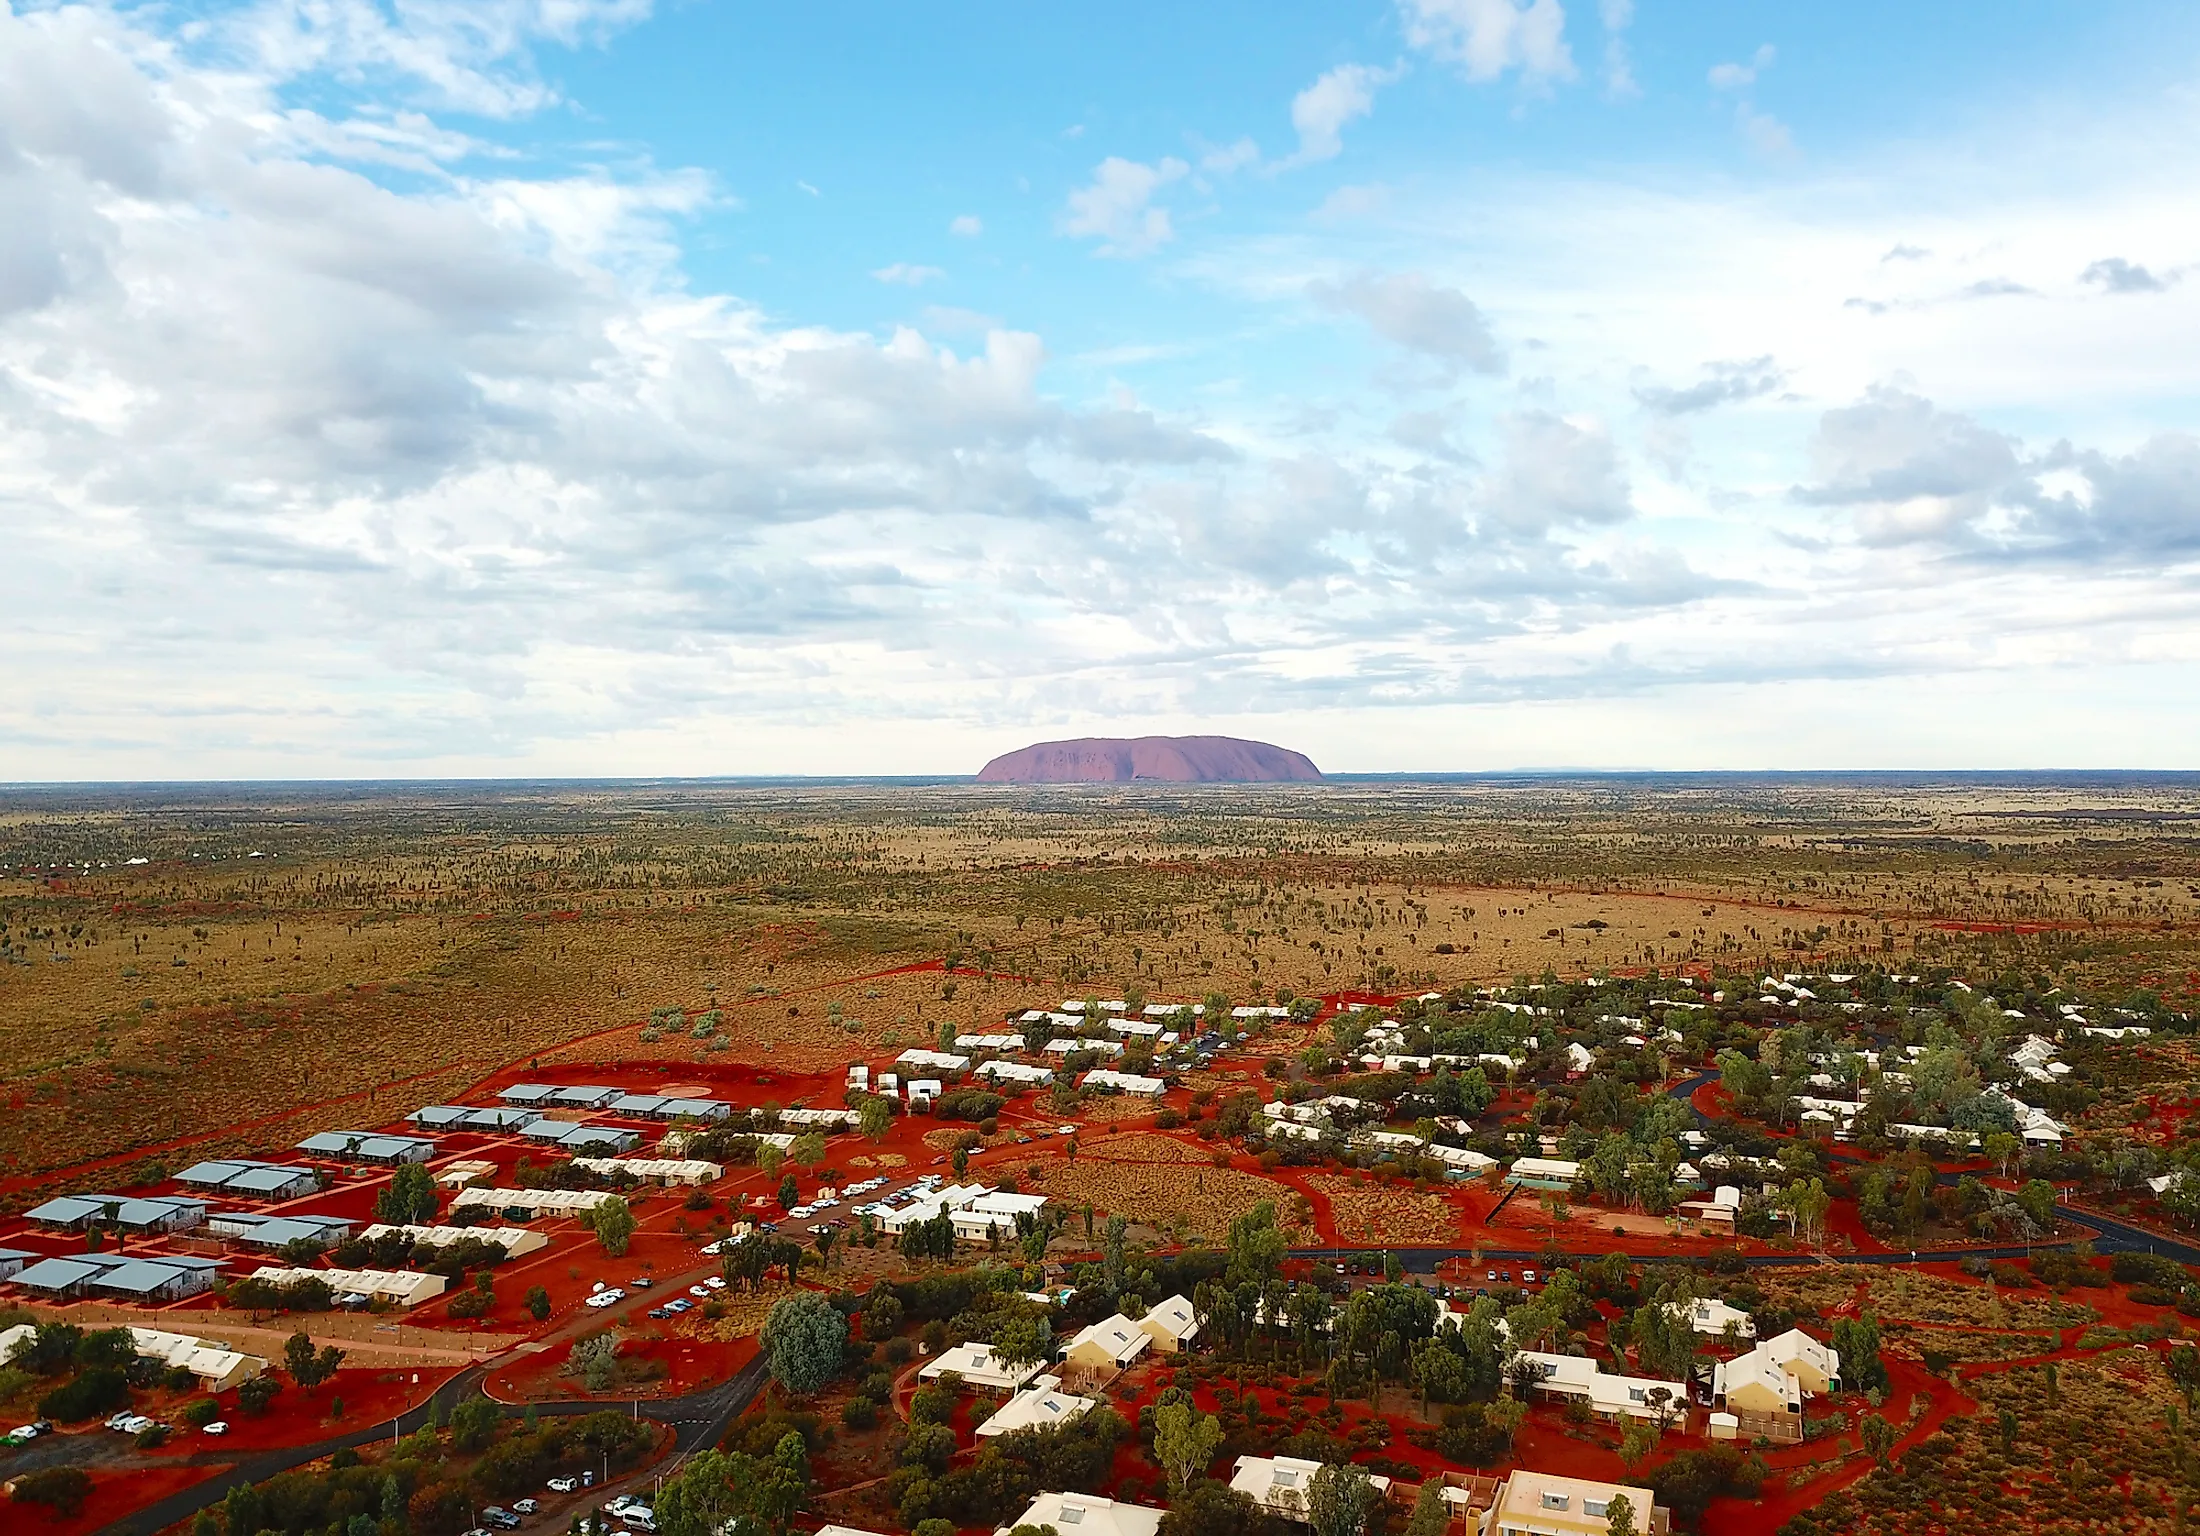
1555 1501
1595 1507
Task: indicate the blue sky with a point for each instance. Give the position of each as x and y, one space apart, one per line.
593 386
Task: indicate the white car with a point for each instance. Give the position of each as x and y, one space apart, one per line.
525 1507
712 1250
218 1427
606 1298
136 1423
563 1484
699 1290
116 1422
715 1282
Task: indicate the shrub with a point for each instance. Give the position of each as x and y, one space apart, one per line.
469 1303
860 1413
61 1489
2153 1269
201 1412
88 1397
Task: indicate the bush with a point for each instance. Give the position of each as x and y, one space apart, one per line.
152 1437
469 1303
860 1413
92 1395
61 1489
2157 1270
202 1412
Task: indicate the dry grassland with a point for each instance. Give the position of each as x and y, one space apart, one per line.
390 949
1374 1214
1200 1202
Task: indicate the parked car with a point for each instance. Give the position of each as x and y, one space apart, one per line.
115 1421
563 1484
218 1427
1527 1277
502 1519
525 1507
660 1313
641 1282
716 1282
698 1290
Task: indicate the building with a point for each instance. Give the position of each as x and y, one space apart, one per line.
1278 1483
515 1241
527 1204
530 1095
1544 1504
655 1170
657 1106
583 1096
1015 1072
262 1231
574 1137
407 1288
13 1339
929 1205
245 1179
1543 1173
144 1213
1817 1366
1608 1396
217 1369
1042 1405
1171 1324
1713 1317
1102 1080
466 1117
1101 1351
980 1368
165 1277
932 1061
12 1261
465 1171
366 1147
1087 1514
1765 1388
1719 1212
994 1212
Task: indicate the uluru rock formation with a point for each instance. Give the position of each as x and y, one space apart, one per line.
1165 759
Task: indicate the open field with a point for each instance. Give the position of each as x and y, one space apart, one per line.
1617 975
374 950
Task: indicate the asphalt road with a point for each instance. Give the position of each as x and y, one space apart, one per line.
697 1420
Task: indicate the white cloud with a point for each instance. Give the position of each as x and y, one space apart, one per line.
1485 38
1619 66
1421 316
968 226
1117 207
1763 132
1341 96
1735 77
908 276
1227 159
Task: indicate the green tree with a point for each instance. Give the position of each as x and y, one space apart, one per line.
615 1224
538 1303
804 1338
1431 1515
1878 1436
1256 1247
874 1118
808 1150
1210 1509
1636 1442
1184 1442
410 1199
596 1358
1023 1340
1619 1516
789 1193
1338 1499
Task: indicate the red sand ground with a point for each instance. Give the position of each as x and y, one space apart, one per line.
115 1493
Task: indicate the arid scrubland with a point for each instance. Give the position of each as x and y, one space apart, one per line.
186 967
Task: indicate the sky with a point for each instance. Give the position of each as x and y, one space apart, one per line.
599 387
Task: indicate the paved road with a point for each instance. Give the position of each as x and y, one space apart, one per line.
697 1420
